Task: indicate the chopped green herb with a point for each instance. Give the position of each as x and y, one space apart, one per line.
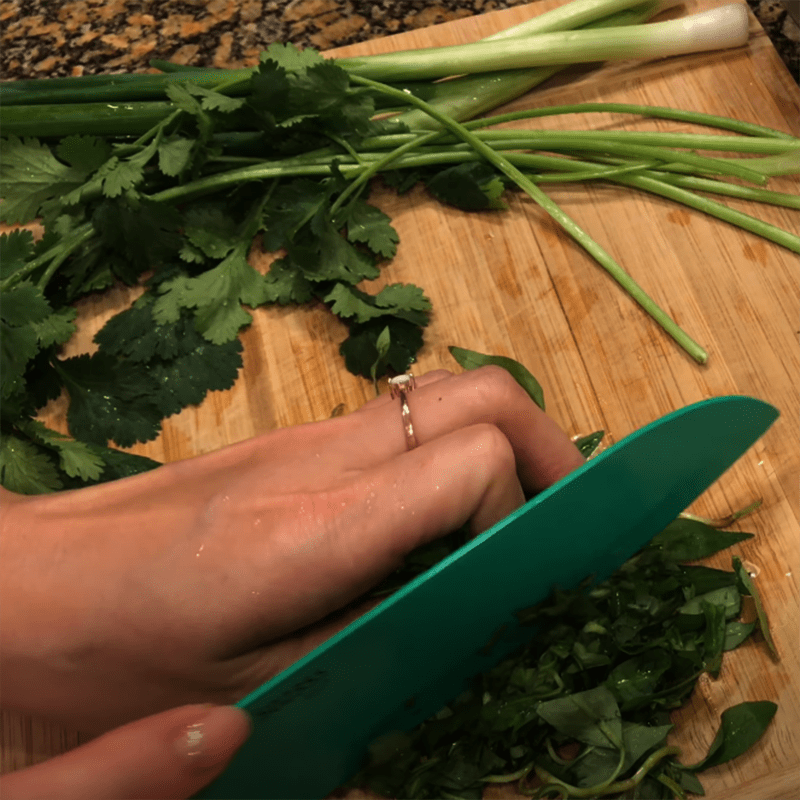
582 710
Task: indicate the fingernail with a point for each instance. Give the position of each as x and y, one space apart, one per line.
215 736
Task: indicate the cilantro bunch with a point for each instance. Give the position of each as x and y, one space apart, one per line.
582 711
105 221
167 181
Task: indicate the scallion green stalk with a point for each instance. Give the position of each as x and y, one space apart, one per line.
567 223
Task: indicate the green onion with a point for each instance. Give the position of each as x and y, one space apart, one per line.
715 29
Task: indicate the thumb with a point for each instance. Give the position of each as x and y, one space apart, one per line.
173 754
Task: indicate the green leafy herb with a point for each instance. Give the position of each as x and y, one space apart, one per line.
747 586
469 359
581 711
740 728
690 539
589 444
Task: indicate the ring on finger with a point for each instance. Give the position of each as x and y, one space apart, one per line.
398 387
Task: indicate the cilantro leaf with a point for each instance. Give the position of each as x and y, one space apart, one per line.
25 468
30 176
147 231
183 98
334 258
211 100
269 93
370 225
23 309
209 228
57 327
285 284
119 464
472 186
217 295
174 155
16 247
404 301
132 334
109 402
289 212
23 304
118 176
86 153
291 58
183 365
17 347
360 349
204 367
76 459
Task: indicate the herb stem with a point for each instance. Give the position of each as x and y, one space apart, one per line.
520 774
724 522
607 787
60 251
566 222
657 112
688 198
380 164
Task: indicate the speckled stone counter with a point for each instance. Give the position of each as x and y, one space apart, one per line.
44 38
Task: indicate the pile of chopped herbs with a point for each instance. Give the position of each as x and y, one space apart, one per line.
583 710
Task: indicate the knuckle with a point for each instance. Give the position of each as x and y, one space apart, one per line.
496 389
437 374
491 447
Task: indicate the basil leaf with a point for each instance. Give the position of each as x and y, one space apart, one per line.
736 632
469 359
727 597
714 637
741 726
589 444
690 540
747 586
592 717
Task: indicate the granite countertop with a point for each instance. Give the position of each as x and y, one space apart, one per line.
75 37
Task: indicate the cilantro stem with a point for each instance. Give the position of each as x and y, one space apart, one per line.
59 252
566 222
380 164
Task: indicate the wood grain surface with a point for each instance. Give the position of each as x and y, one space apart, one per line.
512 283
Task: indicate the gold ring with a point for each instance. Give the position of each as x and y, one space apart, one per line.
398 386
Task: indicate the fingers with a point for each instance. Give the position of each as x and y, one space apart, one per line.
543 452
169 755
371 524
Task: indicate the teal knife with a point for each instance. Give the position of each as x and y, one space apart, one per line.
402 661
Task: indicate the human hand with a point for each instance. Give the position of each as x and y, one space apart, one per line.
202 579
173 754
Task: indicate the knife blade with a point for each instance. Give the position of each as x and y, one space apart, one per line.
406 658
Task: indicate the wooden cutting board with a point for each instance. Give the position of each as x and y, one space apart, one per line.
513 284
